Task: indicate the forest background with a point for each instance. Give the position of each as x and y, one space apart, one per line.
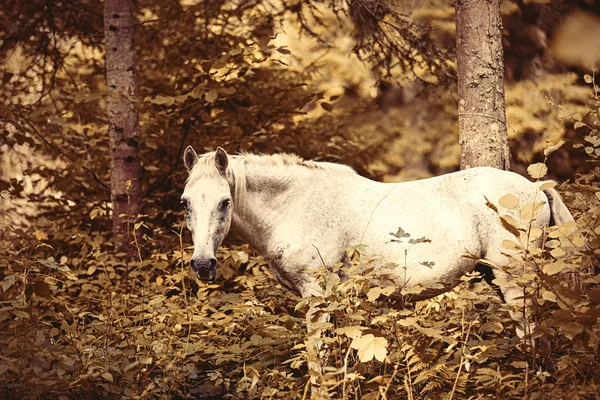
370 84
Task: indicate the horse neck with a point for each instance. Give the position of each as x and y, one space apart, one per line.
268 190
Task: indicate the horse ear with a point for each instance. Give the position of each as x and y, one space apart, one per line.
190 157
221 160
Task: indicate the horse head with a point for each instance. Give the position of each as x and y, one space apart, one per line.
208 206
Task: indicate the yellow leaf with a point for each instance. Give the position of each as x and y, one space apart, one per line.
553 148
510 201
510 224
510 245
108 377
39 235
535 233
374 293
554 268
547 185
557 252
156 300
537 170
131 365
492 327
550 296
350 331
211 96
416 289
530 210
571 329
519 364
370 347
567 228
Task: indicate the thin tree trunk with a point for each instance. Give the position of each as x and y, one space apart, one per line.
119 20
482 111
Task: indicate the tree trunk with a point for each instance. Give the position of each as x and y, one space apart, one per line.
119 20
481 108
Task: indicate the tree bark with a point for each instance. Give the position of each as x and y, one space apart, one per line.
124 131
481 109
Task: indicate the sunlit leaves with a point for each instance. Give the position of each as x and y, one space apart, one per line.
510 224
39 235
551 149
547 185
509 201
369 347
351 331
537 171
529 211
211 96
554 267
374 293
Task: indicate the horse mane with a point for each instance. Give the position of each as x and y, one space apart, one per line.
238 165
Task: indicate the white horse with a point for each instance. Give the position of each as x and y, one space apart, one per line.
302 215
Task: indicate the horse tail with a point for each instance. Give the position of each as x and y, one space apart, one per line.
559 213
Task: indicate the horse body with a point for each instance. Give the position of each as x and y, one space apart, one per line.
311 219
304 215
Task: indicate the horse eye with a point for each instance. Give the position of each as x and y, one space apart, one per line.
224 204
186 203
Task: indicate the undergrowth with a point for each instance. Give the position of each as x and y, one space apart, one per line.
76 322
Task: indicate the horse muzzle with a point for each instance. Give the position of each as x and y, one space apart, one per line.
204 268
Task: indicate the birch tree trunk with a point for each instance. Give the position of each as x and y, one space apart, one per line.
481 108
119 20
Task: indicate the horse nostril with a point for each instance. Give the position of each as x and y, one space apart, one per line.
204 268
204 274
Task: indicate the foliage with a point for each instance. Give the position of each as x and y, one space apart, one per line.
77 322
